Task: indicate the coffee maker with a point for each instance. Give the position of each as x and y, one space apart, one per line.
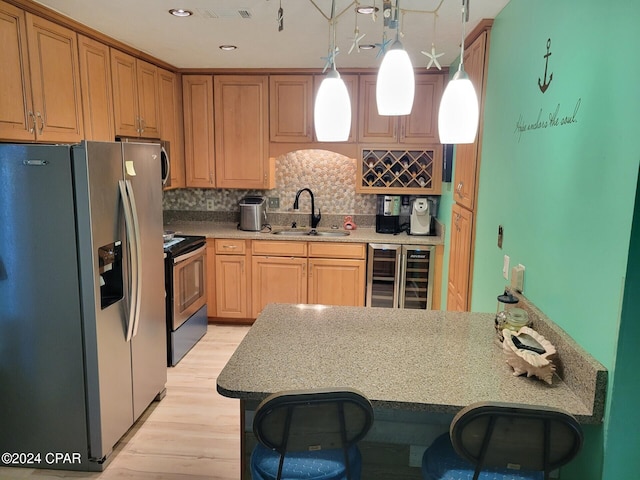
420 219
388 214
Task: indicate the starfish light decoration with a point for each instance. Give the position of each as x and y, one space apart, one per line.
330 59
383 46
356 40
433 56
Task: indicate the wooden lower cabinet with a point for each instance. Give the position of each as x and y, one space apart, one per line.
336 281
232 267
277 280
278 273
337 273
458 285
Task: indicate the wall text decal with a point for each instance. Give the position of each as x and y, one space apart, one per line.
553 119
544 84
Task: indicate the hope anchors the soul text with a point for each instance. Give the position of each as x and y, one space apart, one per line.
554 119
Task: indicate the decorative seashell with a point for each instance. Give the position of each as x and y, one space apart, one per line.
526 361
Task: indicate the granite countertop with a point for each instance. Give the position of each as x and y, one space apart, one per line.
359 235
415 360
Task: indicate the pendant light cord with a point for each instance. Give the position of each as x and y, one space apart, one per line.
464 16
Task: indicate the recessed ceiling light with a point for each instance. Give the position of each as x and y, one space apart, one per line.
227 48
366 10
179 12
367 46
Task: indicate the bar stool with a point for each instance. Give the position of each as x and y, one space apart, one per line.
310 434
497 441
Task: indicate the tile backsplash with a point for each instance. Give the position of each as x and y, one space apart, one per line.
329 175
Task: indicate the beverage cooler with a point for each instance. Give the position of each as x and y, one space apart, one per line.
399 276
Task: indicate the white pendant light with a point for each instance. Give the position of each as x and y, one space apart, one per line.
396 83
459 111
332 108
332 111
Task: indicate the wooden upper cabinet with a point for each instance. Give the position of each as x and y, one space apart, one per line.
135 96
351 82
241 107
55 80
199 154
95 83
16 103
40 96
170 94
125 94
419 127
422 125
372 127
291 108
148 102
466 162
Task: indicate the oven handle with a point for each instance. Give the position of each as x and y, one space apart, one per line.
187 256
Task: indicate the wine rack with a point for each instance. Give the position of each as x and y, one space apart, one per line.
400 171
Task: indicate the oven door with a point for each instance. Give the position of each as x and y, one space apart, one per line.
189 285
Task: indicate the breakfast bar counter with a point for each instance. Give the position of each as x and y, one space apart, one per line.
417 367
411 360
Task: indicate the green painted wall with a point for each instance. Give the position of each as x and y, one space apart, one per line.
563 185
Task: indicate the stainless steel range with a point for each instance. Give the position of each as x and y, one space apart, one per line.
186 289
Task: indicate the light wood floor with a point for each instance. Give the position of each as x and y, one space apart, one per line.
193 433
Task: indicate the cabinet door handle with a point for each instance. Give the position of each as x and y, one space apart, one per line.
242 266
459 188
142 124
42 125
230 246
33 118
304 268
311 270
457 221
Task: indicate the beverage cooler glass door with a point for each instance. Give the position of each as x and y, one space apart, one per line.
417 277
383 272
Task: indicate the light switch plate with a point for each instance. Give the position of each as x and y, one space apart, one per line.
210 204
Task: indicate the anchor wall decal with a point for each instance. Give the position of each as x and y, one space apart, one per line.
544 85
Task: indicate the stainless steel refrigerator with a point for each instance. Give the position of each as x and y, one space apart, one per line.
400 276
82 311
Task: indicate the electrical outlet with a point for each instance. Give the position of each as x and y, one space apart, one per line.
274 202
210 204
517 278
505 267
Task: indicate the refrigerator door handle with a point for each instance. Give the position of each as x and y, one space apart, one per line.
137 267
402 281
128 220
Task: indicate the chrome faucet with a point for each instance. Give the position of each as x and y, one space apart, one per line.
315 219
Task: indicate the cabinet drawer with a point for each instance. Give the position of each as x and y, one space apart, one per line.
336 250
230 246
279 248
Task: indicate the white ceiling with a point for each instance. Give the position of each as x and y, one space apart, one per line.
193 42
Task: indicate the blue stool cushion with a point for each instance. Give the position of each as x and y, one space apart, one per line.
317 465
441 462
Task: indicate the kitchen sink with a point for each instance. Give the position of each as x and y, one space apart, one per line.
311 233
